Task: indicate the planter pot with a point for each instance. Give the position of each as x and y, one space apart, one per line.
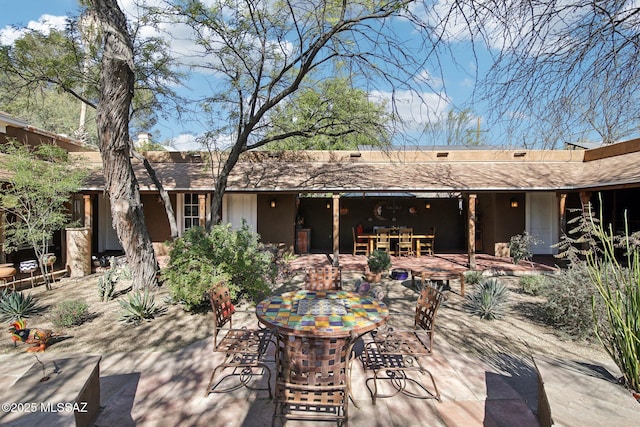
399 274
372 277
6 272
48 259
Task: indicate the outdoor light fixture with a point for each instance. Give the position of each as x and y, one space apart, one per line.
427 205
514 203
272 203
328 205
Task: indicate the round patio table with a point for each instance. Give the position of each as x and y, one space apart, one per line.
322 313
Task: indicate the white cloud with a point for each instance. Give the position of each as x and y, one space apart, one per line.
8 35
415 109
184 142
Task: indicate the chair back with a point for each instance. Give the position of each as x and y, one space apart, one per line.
428 302
382 239
405 235
323 279
312 374
222 307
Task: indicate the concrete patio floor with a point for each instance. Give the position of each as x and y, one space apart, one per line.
501 389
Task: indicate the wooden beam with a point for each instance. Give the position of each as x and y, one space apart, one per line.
88 211
336 229
471 235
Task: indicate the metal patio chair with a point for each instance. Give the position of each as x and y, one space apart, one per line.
313 376
323 279
244 349
394 355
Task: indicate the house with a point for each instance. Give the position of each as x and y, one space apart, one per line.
476 199
490 195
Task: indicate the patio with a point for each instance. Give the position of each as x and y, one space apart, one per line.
484 378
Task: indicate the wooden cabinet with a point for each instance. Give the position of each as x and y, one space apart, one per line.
303 240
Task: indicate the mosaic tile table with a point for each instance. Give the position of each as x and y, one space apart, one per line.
322 313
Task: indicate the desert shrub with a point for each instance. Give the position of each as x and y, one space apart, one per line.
139 306
16 305
569 301
533 284
618 286
488 299
69 313
200 259
107 282
472 278
520 246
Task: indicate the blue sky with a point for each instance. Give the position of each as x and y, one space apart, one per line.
32 13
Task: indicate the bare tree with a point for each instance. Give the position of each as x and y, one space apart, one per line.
259 53
567 69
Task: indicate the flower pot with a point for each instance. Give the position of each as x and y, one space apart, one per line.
6 272
372 277
399 274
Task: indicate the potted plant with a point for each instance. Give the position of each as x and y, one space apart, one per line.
378 262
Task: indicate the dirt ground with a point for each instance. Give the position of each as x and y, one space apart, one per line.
520 332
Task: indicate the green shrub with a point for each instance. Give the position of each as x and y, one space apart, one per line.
520 246
472 278
16 305
488 299
569 301
199 259
69 313
139 306
379 261
533 284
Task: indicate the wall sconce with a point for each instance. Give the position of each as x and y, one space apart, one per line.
272 203
514 203
427 205
328 205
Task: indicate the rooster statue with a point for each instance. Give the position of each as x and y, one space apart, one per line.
37 337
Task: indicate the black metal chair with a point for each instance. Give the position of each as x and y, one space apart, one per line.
244 349
394 355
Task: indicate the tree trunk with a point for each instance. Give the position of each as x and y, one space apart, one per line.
221 182
173 225
116 93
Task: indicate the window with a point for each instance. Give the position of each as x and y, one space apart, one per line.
191 213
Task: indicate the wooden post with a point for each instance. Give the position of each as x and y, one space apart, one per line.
563 217
3 219
472 231
336 229
585 199
202 208
88 211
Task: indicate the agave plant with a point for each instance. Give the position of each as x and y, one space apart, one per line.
138 307
488 300
16 305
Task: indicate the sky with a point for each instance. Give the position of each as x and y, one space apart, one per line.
37 14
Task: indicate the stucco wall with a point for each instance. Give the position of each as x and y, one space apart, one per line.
276 225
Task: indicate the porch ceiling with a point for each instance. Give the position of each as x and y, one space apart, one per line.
342 173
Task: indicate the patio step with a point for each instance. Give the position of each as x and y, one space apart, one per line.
581 394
